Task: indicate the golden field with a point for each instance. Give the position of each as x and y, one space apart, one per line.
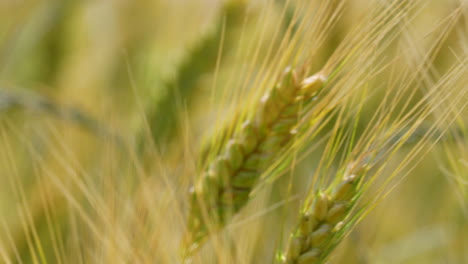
127 126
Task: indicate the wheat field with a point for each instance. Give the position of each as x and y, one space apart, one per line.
234 131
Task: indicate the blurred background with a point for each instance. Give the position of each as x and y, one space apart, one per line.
100 100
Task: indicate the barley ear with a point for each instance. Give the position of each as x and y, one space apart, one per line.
319 222
226 185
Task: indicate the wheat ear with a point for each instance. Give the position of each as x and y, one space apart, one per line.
200 60
225 186
322 220
10 100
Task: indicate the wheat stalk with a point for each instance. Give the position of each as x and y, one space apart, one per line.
224 187
326 214
324 217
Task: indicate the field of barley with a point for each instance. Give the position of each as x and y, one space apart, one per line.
234 131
